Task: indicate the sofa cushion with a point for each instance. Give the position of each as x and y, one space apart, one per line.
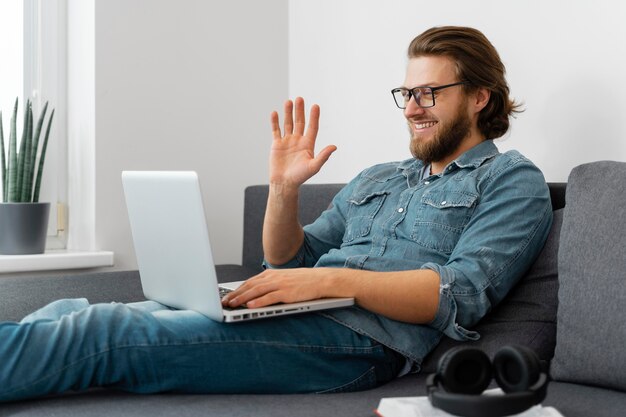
527 316
570 399
21 295
110 403
592 272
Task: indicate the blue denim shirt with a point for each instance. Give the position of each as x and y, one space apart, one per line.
479 224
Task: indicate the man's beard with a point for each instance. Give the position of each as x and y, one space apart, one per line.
444 142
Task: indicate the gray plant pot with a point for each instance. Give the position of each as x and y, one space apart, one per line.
23 228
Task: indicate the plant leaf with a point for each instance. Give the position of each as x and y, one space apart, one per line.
42 159
34 149
27 185
12 169
21 156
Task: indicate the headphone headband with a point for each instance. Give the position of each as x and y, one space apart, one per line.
518 399
486 405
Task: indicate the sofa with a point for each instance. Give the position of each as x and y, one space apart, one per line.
568 308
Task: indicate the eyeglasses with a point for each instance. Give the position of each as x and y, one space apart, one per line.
424 96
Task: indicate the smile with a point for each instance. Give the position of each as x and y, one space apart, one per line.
424 125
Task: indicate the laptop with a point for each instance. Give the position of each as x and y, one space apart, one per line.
173 250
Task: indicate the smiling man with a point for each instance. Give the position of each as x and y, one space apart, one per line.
426 247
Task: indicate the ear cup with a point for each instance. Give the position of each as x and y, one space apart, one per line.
516 368
463 373
464 370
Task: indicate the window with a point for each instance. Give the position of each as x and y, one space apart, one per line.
33 55
11 54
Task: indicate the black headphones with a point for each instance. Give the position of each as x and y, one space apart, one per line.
464 373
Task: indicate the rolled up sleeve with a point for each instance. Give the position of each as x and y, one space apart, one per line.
506 232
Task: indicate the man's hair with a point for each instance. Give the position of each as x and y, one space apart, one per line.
478 63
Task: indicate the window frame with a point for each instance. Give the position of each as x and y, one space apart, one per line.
45 79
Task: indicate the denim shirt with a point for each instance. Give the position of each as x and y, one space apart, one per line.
479 224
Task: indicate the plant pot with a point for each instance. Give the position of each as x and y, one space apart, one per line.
23 228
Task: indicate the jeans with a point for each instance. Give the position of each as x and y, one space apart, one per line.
146 347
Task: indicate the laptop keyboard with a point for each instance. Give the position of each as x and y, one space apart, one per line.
223 292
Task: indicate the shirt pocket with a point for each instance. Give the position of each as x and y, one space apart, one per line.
441 218
361 212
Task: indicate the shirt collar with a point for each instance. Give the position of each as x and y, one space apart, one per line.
477 155
474 157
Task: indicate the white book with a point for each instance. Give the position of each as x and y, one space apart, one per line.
421 407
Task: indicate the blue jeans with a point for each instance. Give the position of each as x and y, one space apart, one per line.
146 348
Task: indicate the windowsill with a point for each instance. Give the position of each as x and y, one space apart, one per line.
55 260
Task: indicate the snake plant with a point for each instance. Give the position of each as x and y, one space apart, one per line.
19 182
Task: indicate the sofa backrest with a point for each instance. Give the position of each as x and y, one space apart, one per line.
557 194
314 199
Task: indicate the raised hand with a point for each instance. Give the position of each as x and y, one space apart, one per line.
292 157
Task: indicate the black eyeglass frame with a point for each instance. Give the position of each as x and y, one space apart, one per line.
412 94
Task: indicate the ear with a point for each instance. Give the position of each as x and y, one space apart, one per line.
480 99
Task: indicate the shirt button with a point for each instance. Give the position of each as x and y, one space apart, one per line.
426 182
443 203
400 210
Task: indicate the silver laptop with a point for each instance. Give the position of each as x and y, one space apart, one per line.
174 253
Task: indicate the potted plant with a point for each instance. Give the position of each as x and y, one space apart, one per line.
23 219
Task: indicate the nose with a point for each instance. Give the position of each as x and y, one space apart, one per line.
412 108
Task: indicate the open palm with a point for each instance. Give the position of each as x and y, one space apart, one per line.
292 157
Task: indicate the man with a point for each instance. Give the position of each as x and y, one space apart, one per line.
426 247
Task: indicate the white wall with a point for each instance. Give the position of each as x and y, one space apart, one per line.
185 85
190 84
566 61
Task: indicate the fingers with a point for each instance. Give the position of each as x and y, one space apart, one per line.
297 126
314 123
251 293
264 301
326 152
322 158
269 287
300 120
275 126
288 117
259 298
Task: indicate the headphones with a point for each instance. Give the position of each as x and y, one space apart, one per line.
464 373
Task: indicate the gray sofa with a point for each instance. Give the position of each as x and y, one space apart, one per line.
568 308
